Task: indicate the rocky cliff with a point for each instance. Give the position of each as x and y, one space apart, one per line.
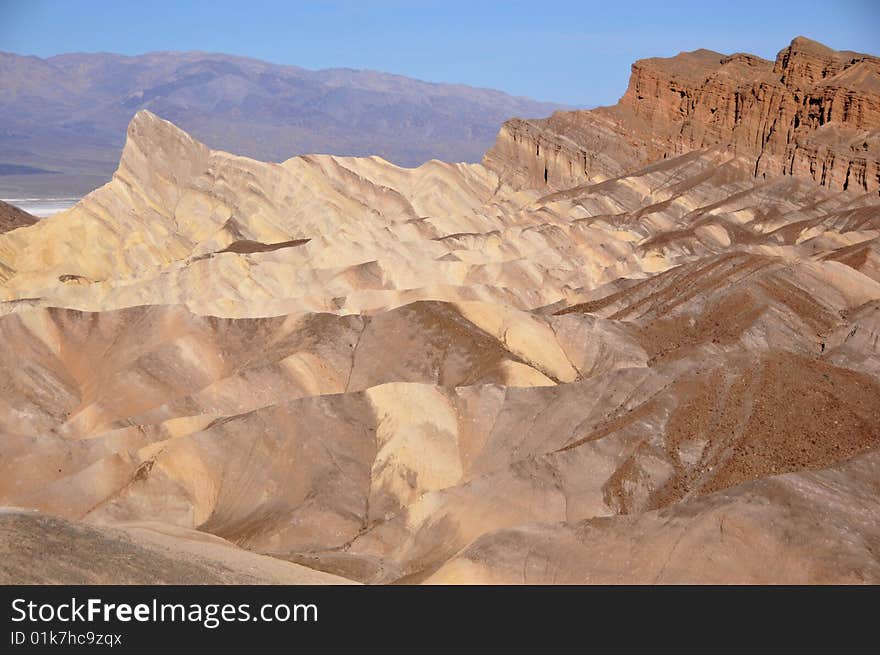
814 112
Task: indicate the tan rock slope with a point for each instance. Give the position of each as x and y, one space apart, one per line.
40 549
452 373
742 536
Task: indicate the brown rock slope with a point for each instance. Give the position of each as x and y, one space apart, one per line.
814 113
775 530
11 217
441 375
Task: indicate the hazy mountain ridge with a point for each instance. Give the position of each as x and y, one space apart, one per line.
68 113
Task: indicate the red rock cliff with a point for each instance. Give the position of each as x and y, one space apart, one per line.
814 112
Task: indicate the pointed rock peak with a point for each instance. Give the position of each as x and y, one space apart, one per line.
145 126
154 143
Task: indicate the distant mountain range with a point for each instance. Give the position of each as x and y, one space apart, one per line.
67 114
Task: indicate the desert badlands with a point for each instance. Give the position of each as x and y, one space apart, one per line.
636 344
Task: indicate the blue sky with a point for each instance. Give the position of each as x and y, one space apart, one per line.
571 52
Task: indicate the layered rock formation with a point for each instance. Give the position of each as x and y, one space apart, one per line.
814 113
447 373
